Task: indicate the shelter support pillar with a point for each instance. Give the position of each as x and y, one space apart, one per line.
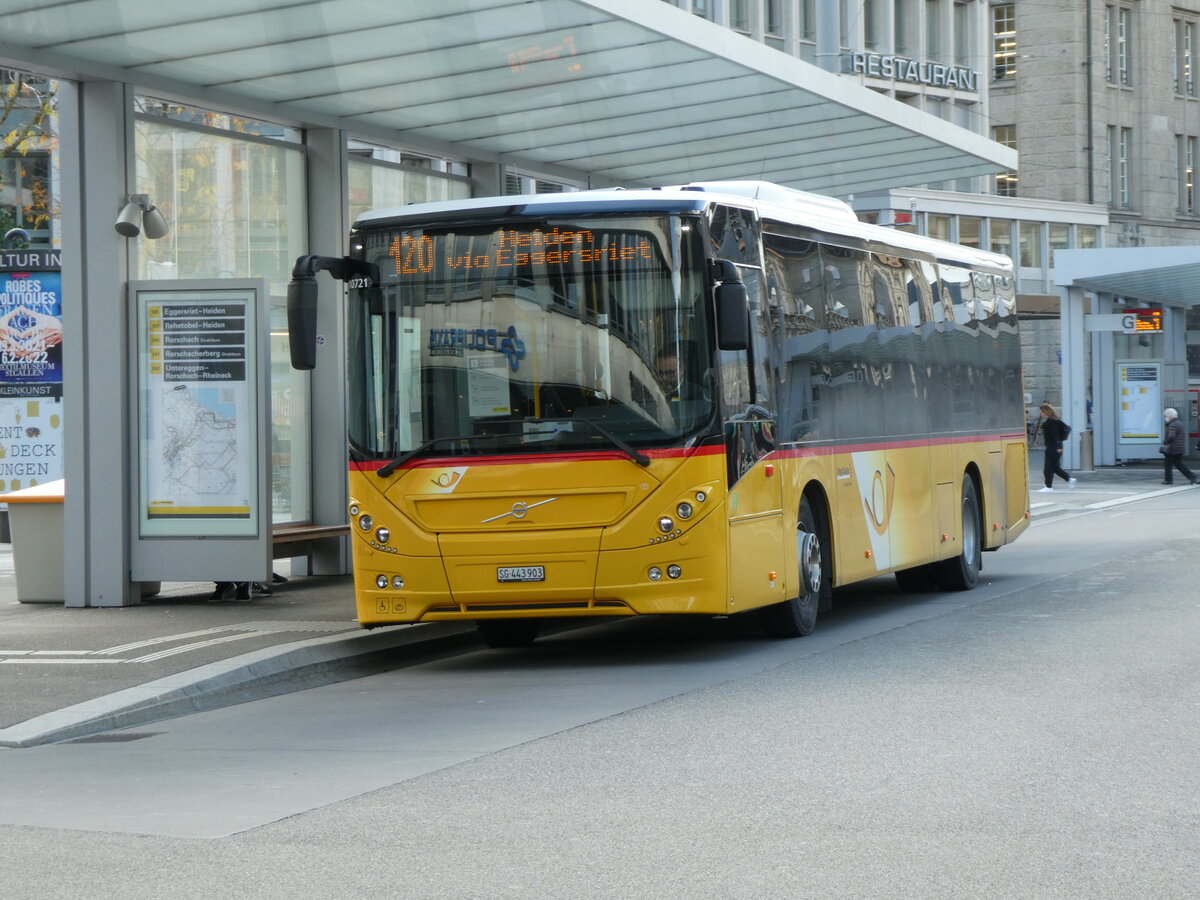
96 121
1104 388
1074 375
328 229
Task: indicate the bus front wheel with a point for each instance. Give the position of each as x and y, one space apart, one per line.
961 573
798 616
508 632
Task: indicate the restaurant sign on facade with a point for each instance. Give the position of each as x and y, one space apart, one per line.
911 71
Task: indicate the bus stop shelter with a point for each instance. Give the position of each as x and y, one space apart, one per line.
1122 361
600 92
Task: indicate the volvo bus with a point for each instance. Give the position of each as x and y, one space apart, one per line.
711 399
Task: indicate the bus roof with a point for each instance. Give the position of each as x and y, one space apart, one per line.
772 201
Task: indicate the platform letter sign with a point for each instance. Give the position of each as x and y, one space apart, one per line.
198 373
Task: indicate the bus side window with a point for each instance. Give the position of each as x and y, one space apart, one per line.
844 273
956 293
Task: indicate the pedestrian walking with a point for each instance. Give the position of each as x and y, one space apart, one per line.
1172 448
1054 435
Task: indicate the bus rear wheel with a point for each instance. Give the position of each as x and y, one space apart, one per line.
961 573
508 632
798 616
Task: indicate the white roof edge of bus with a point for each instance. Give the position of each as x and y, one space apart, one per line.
788 204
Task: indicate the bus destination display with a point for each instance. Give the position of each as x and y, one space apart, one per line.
420 254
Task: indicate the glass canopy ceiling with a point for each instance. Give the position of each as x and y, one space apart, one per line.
621 92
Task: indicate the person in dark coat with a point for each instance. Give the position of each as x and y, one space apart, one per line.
1173 448
1054 435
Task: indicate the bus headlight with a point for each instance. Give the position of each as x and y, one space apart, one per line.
365 523
674 571
353 510
684 510
655 573
382 535
397 583
666 525
381 582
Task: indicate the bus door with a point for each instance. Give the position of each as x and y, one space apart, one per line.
757 532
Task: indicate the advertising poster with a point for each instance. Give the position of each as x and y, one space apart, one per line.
31 380
198 409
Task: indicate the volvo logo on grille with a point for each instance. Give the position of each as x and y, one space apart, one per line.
519 510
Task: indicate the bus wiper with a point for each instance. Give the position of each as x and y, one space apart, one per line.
388 468
640 458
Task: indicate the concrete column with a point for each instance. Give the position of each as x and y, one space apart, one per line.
96 130
1074 377
328 231
829 39
1104 388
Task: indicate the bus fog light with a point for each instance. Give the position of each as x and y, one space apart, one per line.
655 573
365 523
382 535
665 525
381 582
684 510
674 571
397 583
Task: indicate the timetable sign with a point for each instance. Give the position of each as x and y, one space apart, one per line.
1142 321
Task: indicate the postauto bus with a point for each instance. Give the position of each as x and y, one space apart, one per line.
711 399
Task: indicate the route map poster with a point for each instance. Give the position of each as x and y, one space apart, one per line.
198 413
1140 415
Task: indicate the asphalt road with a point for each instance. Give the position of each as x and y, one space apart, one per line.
1036 737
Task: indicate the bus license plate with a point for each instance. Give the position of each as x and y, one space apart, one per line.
521 573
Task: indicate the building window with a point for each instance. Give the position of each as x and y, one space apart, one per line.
937 226
1185 44
969 232
933 29
1118 44
1120 147
1060 238
902 27
1086 237
1187 173
807 20
773 17
739 18
1004 41
1030 244
871 29
962 33
1000 231
1006 182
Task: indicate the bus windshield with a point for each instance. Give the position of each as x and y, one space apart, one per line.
588 333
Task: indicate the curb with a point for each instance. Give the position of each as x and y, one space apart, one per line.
251 676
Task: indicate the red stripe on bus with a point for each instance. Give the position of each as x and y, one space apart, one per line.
435 462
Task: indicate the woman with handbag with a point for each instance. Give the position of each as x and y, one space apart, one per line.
1054 434
1172 448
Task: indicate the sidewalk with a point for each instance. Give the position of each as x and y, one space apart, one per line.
69 673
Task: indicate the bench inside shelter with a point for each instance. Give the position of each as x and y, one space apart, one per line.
298 539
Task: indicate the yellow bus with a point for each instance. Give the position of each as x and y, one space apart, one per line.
708 400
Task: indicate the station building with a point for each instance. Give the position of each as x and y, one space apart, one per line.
1101 101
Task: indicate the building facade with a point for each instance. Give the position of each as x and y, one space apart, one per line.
1101 100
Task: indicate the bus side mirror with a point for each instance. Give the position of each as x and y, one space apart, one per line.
733 311
302 321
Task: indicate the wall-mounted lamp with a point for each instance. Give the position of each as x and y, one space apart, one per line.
139 216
